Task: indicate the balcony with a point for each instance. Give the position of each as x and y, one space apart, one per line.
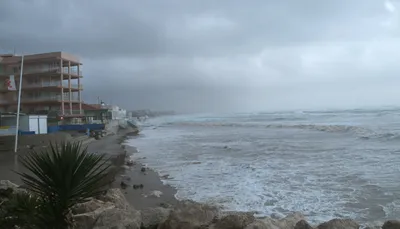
72 71
51 84
40 69
68 112
49 98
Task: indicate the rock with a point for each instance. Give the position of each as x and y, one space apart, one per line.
391 224
234 221
6 184
302 224
108 217
152 217
259 225
165 205
89 206
339 224
189 215
289 222
166 176
116 197
373 227
155 193
7 188
123 185
110 210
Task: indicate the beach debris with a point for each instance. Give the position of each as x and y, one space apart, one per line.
143 169
123 185
166 176
130 163
165 205
138 186
126 178
196 162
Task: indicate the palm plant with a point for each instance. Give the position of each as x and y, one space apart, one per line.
61 177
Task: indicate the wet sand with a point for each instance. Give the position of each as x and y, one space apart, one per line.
132 175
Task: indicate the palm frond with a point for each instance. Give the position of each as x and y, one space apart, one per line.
64 175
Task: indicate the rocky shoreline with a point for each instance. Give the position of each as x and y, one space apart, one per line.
162 213
153 205
112 210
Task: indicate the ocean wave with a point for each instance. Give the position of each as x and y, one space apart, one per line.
360 132
317 127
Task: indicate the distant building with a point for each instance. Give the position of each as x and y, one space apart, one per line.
51 84
116 113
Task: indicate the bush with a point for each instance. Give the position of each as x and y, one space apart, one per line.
58 178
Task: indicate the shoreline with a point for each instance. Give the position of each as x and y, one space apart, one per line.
170 194
154 193
130 173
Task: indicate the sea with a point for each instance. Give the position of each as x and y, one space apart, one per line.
324 164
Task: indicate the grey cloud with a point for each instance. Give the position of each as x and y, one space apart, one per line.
139 28
216 55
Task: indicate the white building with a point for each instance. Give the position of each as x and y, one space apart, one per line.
116 113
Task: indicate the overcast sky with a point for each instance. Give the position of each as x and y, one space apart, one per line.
219 55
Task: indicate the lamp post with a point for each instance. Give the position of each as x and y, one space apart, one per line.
19 104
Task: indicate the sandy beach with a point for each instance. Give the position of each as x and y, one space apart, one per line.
112 145
132 175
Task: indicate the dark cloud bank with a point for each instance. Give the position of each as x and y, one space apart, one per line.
219 56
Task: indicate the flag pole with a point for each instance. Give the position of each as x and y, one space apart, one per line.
19 103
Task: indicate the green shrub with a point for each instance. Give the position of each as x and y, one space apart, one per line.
58 178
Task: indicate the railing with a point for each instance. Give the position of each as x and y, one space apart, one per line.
73 86
72 71
44 84
50 98
55 69
49 84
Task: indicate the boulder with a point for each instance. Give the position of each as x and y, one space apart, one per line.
234 221
89 206
258 224
108 217
289 222
116 197
7 188
302 224
6 184
106 211
190 215
152 217
339 224
391 224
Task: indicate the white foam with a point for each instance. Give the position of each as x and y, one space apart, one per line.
323 178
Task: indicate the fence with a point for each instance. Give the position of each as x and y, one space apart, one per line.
77 127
